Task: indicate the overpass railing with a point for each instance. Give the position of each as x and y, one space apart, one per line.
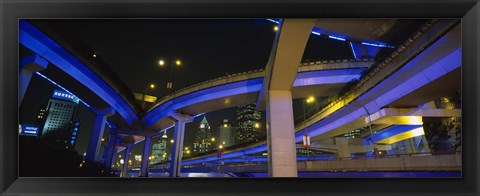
258 73
394 162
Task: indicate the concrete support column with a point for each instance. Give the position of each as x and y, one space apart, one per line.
282 160
342 147
110 150
177 148
125 161
97 133
177 152
145 155
28 66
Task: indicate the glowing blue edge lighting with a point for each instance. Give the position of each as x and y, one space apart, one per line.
271 20
110 126
377 45
353 51
58 85
342 39
337 38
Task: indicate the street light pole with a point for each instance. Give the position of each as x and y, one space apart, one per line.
309 100
170 83
305 126
151 85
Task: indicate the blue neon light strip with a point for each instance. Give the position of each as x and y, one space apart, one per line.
274 21
198 115
59 86
353 51
110 126
335 37
379 44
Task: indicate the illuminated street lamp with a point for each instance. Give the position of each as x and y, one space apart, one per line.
309 100
161 63
171 141
275 28
177 62
151 86
213 139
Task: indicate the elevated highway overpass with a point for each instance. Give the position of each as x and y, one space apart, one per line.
440 62
407 79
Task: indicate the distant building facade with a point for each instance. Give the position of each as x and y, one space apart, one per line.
59 127
159 149
248 124
203 138
226 134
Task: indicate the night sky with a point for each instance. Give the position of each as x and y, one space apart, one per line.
207 49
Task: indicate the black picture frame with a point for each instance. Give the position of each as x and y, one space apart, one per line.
11 11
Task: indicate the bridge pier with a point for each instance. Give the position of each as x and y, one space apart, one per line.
282 159
276 95
145 156
97 133
110 150
125 161
28 66
342 147
177 148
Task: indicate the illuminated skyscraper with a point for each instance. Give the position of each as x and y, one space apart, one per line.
58 127
159 149
248 124
203 139
226 134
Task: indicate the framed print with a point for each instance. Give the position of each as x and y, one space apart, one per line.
220 97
